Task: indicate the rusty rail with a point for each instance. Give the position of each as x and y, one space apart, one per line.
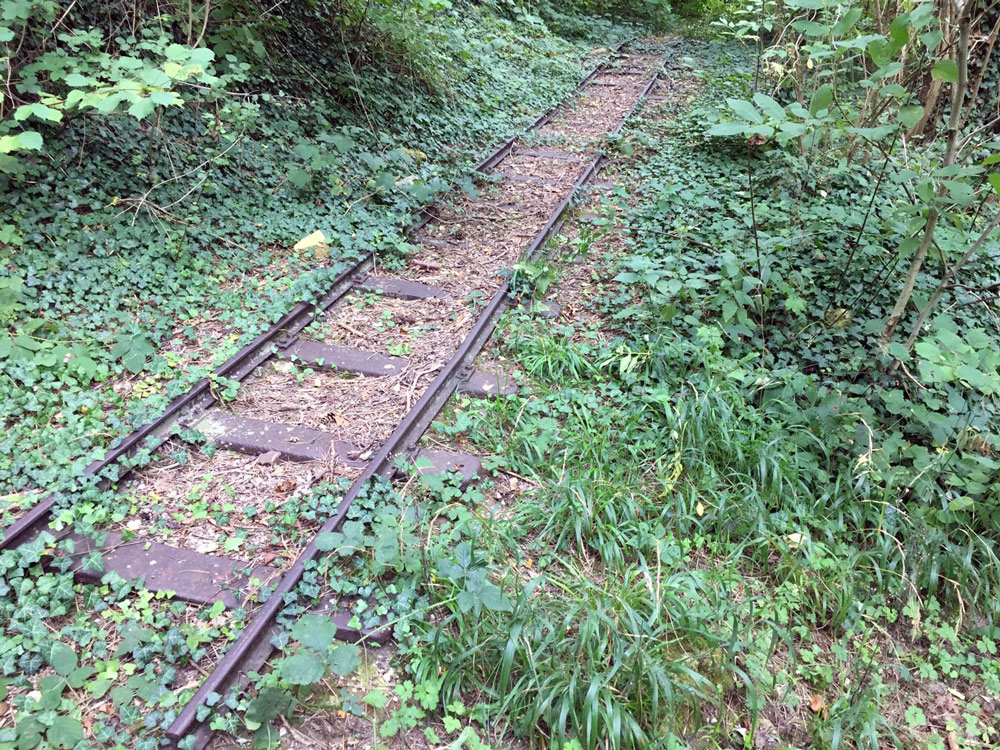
190 405
252 648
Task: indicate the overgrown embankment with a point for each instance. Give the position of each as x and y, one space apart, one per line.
158 170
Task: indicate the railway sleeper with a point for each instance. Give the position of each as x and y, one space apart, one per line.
290 442
626 72
544 153
531 179
342 358
293 443
488 385
204 579
401 288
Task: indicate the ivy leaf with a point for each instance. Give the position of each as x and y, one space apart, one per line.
328 541
345 659
945 70
315 632
271 703
132 350
65 732
29 732
62 658
301 669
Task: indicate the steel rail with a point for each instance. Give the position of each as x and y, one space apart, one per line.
199 398
252 647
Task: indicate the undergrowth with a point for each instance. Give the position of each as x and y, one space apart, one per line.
738 531
139 253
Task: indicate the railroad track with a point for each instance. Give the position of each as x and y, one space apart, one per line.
533 180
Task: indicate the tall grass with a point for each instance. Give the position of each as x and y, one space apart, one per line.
630 634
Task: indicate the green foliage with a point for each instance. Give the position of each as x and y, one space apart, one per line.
62 70
159 167
730 455
142 249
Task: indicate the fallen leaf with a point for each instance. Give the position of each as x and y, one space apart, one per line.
310 240
699 509
817 703
205 546
285 486
316 242
795 540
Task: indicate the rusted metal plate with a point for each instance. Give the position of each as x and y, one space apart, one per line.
401 288
191 576
343 358
433 461
293 443
488 385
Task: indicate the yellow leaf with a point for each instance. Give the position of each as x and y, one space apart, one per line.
699 509
795 540
817 703
310 240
